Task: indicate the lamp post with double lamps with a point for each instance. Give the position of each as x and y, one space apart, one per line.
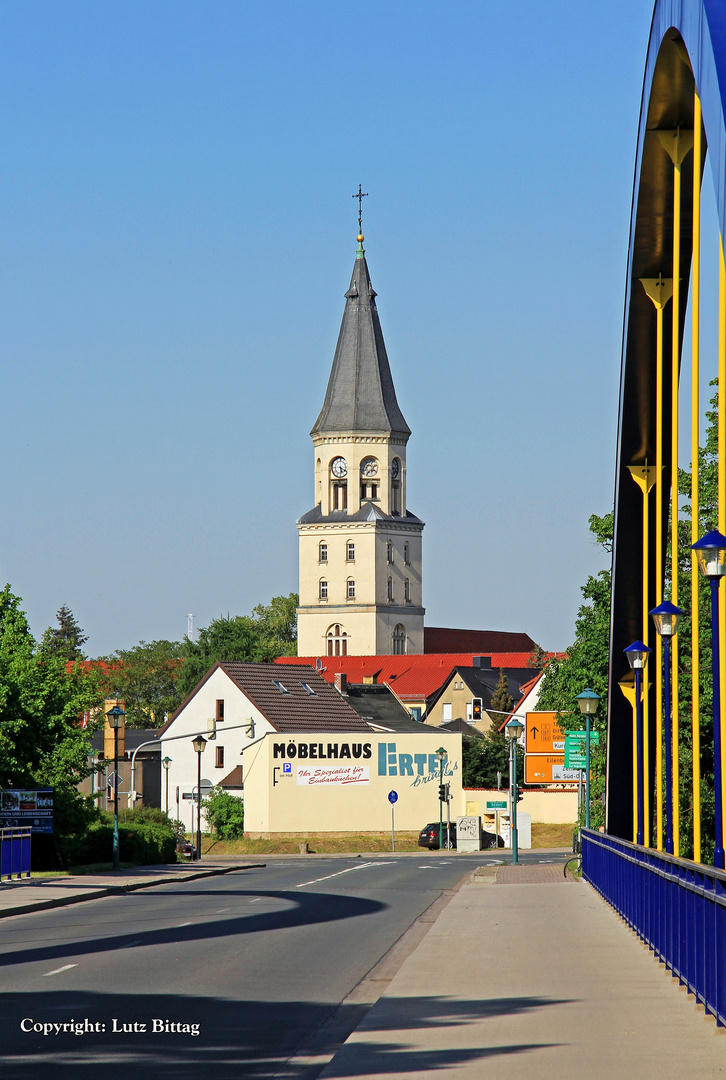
441 755
199 744
711 554
166 762
513 729
666 618
588 701
637 655
116 717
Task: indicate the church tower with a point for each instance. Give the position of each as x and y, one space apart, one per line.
360 547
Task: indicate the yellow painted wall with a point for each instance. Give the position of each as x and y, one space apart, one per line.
277 801
544 807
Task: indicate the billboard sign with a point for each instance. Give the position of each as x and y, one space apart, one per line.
27 806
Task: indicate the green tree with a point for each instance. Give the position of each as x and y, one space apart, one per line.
224 813
42 698
66 639
502 700
486 755
146 677
263 636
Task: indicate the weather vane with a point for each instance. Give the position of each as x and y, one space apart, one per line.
360 195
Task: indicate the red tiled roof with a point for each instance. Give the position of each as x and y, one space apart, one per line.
412 678
443 639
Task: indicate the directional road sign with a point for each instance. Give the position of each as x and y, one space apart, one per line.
542 735
548 769
575 754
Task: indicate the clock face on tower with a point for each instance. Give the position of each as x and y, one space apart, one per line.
369 467
339 467
395 468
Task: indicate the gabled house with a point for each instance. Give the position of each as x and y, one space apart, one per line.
470 687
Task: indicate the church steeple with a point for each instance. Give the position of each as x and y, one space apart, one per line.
360 396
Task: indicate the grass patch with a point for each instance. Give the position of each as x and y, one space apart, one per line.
552 836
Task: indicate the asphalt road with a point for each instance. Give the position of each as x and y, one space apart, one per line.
243 975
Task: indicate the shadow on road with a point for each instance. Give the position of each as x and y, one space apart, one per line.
236 1038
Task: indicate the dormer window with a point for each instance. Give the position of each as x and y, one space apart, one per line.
280 687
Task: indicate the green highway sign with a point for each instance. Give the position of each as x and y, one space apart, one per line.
575 748
496 804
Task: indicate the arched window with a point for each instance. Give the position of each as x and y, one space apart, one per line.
350 551
368 478
399 640
323 552
350 589
323 589
396 486
337 641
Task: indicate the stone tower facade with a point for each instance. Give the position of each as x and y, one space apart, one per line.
360 546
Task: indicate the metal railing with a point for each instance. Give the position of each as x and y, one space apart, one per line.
15 852
676 906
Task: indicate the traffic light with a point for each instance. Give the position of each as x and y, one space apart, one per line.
476 709
442 792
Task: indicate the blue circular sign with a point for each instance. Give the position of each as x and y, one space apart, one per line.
392 796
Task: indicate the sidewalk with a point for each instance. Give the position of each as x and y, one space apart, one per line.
526 976
35 894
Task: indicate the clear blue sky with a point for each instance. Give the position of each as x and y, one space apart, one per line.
177 233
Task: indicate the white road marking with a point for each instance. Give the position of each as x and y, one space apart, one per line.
360 866
179 925
256 900
57 971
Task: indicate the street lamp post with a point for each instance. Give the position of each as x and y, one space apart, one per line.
588 701
711 554
666 618
441 755
116 717
513 729
199 744
637 655
166 762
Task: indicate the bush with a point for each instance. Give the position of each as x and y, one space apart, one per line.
141 841
224 813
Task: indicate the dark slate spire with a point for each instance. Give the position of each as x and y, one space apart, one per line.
360 395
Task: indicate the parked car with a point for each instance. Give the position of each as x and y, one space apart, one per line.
429 836
186 849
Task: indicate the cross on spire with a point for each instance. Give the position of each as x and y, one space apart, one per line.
360 195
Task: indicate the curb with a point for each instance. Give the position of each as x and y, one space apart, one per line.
115 890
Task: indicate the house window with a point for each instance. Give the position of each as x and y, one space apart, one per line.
350 551
323 553
390 588
323 589
446 712
220 757
337 641
406 557
399 640
220 710
350 593
407 591
389 551
416 712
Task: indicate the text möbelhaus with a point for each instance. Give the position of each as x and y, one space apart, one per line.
322 750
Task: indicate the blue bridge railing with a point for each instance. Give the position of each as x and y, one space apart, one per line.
676 906
15 853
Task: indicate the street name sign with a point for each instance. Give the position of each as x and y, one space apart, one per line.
496 804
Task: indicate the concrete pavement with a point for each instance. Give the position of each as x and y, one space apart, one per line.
526 976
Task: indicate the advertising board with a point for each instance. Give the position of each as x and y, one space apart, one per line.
27 806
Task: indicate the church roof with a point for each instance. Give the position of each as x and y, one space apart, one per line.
360 395
368 512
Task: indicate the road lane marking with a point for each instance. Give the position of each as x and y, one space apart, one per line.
57 971
360 866
179 925
256 900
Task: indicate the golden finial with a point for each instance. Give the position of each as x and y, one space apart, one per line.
360 237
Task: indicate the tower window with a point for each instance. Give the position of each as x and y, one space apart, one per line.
323 589
323 553
389 551
340 496
399 640
390 588
395 497
350 551
407 591
350 592
337 641
406 554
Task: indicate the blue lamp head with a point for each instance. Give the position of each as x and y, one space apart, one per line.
711 554
637 655
666 618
